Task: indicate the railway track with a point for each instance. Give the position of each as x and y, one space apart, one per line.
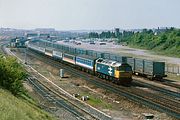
2 46
156 88
171 84
165 82
161 91
160 103
87 110
51 94
52 98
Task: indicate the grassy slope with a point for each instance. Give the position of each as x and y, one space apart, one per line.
171 52
166 43
13 108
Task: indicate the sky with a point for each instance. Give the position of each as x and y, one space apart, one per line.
89 14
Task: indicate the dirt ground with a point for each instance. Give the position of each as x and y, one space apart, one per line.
118 107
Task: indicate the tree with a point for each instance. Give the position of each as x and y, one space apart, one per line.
12 75
93 35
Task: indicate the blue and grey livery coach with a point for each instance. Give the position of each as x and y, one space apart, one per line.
85 63
36 48
57 55
68 58
49 52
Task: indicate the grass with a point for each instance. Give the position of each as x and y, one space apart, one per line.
173 77
172 52
97 102
13 108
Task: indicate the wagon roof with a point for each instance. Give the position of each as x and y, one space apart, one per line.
87 57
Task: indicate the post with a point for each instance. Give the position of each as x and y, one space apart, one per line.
62 73
173 69
25 59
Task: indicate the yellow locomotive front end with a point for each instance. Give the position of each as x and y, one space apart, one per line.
124 73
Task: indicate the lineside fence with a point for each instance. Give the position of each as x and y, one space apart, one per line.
174 69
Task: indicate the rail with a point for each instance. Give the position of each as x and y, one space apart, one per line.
158 103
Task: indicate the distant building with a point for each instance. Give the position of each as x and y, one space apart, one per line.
117 32
45 29
31 35
18 42
160 30
44 35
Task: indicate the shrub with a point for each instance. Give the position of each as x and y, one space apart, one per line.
12 75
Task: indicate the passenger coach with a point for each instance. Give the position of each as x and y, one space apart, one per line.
85 63
57 55
69 58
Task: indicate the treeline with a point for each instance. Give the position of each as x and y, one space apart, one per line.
165 41
110 34
12 75
102 35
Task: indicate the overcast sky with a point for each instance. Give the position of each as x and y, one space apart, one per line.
89 14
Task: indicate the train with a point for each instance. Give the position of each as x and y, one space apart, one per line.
114 71
152 70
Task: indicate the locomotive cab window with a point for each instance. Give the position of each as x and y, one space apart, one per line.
122 68
100 60
125 68
117 68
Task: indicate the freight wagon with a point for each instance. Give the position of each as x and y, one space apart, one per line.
147 68
154 69
89 52
131 62
97 54
72 50
121 59
115 57
139 66
106 55
80 51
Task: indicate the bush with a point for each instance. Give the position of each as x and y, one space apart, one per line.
12 75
